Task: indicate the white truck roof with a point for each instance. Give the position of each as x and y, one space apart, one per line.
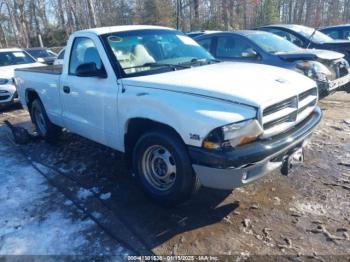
123 28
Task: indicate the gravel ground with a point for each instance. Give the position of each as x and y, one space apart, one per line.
305 214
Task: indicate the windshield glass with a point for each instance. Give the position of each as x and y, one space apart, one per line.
307 32
40 53
144 51
15 58
272 43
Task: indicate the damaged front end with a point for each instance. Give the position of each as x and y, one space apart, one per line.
329 75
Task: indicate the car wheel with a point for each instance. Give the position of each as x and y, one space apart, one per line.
47 130
163 168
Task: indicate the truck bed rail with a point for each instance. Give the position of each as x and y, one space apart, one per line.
50 69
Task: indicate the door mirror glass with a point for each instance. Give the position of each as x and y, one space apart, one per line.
249 53
90 70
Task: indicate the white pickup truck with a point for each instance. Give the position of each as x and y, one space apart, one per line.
182 118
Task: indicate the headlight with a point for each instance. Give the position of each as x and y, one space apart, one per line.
4 81
233 135
314 70
345 63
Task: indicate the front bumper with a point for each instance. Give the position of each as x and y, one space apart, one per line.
242 165
332 85
8 94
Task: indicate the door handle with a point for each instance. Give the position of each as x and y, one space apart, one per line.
66 89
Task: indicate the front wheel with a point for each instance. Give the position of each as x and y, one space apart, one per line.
47 130
163 168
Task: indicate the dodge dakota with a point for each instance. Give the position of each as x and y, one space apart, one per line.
181 118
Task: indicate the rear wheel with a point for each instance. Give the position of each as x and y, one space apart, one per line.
49 131
163 168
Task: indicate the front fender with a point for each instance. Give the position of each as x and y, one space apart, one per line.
191 115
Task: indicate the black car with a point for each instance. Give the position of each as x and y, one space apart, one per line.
307 37
42 54
337 31
327 68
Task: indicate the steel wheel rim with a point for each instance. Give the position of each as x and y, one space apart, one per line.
159 167
40 121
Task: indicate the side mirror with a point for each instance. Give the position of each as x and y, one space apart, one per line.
90 70
41 60
249 53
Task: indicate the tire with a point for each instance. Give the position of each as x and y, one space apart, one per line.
47 130
163 168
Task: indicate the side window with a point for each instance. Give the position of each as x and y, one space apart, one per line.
346 34
61 55
286 35
83 51
333 33
206 43
231 47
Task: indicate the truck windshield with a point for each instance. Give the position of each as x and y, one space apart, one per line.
15 58
272 43
146 51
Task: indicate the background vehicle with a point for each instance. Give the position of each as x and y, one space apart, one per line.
337 31
10 59
199 33
328 68
307 37
42 55
181 118
60 57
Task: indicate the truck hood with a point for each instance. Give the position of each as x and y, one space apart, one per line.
251 84
311 54
9 71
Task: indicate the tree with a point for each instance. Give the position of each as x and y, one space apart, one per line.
269 12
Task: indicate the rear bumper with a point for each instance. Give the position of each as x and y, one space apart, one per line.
237 167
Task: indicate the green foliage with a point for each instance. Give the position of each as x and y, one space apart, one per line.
55 37
269 12
157 12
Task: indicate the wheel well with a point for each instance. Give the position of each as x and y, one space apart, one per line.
136 128
31 95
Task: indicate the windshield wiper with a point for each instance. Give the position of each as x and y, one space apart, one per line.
152 64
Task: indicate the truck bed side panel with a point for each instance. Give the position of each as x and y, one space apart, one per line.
46 85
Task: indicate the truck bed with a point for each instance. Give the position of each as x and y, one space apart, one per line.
50 69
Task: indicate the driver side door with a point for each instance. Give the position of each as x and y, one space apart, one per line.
83 97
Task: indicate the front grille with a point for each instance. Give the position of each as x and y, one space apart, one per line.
288 118
283 115
290 102
4 97
312 92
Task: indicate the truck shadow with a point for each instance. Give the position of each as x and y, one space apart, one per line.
102 170
10 107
